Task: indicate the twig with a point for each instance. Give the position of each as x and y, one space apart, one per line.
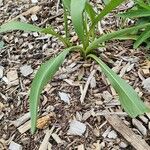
137 142
83 94
44 144
32 10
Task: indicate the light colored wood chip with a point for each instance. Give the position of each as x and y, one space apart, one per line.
21 120
25 127
97 146
32 10
57 138
45 142
137 142
138 124
83 94
81 147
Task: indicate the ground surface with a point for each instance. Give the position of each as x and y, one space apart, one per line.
60 101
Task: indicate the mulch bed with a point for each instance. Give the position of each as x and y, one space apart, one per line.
31 49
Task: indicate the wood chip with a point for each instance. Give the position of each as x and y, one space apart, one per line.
45 142
12 77
81 147
97 146
32 10
21 120
41 123
107 96
137 142
56 138
83 94
1 71
139 126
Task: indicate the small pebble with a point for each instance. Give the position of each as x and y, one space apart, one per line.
14 146
34 18
26 70
123 145
64 97
146 84
76 128
112 135
34 1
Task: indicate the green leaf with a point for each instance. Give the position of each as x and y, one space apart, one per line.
77 8
106 2
112 35
90 11
142 38
15 25
135 14
43 75
144 5
129 99
50 30
67 4
107 9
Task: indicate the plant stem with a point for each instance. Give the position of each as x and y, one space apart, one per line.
65 22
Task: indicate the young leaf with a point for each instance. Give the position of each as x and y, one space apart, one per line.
44 74
107 9
15 25
90 11
112 35
77 8
67 4
50 30
129 99
145 35
135 13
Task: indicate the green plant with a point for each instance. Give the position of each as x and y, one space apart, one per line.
85 22
141 12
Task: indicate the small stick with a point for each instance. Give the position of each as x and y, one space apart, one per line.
137 142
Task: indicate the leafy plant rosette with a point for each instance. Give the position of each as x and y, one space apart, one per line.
140 12
84 20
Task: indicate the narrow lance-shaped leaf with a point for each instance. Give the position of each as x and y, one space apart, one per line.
77 8
16 25
90 11
129 99
107 9
43 75
50 30
67 4
143 37
135 14
112 35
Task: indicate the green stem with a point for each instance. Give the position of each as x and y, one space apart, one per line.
65 22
